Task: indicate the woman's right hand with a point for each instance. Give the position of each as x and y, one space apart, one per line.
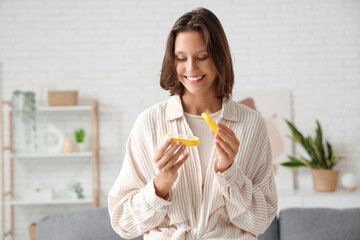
168 162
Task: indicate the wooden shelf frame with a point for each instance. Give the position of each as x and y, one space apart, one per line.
4 193
7 196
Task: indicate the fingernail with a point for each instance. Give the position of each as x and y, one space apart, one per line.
178 143
182 147
170 140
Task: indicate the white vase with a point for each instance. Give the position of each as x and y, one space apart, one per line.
73 195
53 139
81 147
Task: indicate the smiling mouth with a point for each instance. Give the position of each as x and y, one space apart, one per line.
194 79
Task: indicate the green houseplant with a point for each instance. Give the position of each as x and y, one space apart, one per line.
24 106
80 136
78 189
321 158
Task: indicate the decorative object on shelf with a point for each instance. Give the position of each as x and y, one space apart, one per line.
79 136
274 106
32 231
62 98
322 159
325 180
38 193
68 145
349 182
13 177
78 189
53 139
24 106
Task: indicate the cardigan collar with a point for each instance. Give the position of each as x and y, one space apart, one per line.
229 112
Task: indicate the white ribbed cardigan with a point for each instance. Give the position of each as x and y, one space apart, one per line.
239 203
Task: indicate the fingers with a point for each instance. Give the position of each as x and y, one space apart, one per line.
226 137
229 136
161 151
220 150
225 147
170 163
229 132
213 134
226 142
168 155
180 162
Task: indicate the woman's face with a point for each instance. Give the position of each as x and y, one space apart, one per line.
193 66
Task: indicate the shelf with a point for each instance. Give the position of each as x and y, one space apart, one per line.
49 202
8 173
311 192
63 108
309 198
50 155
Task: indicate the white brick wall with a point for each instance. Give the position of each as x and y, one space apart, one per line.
112 51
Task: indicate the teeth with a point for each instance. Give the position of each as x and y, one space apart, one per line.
194 78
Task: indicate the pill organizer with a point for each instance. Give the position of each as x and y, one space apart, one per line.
186 140
212 124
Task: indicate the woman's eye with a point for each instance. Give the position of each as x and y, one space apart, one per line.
181 59
202 58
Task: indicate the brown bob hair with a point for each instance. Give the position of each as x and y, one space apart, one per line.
205 22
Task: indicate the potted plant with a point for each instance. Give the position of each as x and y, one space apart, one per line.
24 106
79 136
321 158
77 189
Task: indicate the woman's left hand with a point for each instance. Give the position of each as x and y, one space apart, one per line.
227 146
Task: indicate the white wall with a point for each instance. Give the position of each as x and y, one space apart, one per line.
112 51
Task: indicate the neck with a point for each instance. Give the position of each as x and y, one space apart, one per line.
196 104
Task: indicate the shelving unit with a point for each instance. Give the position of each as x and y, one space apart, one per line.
51 202
7 164
309 198
51 155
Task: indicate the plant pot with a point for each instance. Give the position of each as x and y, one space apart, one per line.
325 180
75 196
81 147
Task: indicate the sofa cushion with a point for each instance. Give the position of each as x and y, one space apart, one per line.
272 232
320 224
84 224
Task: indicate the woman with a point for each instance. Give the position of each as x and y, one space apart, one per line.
223 188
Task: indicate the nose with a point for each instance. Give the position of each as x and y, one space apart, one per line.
191 65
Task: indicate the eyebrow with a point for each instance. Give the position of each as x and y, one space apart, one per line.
181 52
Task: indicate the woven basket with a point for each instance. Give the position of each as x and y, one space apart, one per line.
325 180
62 98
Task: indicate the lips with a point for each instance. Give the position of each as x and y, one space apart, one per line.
194 79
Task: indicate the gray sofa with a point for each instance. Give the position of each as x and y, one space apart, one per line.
291 224
84 224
